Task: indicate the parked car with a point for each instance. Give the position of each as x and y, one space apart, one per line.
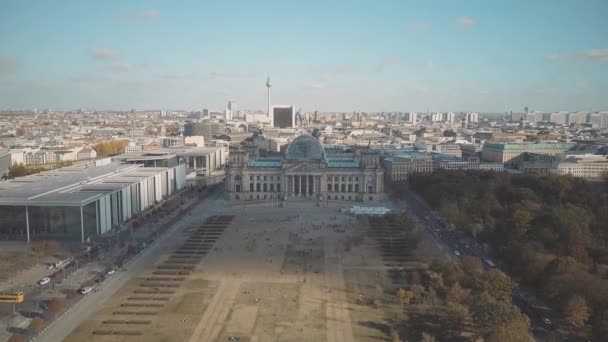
85 290
44 281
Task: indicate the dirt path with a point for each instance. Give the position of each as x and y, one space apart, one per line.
339 324
212 322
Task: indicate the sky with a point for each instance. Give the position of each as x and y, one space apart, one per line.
331 55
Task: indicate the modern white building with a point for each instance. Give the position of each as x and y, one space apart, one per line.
77 203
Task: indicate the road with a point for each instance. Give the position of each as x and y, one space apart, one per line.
94 301
461 244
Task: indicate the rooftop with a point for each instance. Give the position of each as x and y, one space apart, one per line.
72 186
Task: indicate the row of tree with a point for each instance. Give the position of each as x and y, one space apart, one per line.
550 232
111 148
465 299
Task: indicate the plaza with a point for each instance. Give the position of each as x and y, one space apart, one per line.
269 274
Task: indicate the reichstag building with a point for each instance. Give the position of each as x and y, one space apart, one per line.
307 171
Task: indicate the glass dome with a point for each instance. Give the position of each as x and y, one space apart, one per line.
305 147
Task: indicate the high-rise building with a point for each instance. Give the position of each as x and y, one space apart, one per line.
412 118
473 118
283 116
437 117
603 119
450 117
516 117
577 118
558 118
228 112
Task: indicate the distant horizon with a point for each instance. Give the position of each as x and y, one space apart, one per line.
368 57
260 111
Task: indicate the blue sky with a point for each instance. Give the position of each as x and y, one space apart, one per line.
332 55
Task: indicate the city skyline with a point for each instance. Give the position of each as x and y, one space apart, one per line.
343 56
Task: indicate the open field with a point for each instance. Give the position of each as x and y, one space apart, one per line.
265 274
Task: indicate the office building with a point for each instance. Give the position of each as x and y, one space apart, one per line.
578 118
283 116
399 167
412 118
207 129
77 203
508 153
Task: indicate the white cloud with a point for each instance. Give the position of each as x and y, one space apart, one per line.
595 54
148 14
484 92
179 76
103 53
430 65
121 66
588 55
465 21
317 85
419 26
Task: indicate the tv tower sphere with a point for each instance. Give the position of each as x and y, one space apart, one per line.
268 84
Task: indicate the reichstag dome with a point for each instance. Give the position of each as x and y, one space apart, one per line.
307 171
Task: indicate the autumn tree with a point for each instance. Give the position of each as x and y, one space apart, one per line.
56 306
576 312
498 285
472 265
456 294
490 316
404 297
36 324
17 170
16 338
426 337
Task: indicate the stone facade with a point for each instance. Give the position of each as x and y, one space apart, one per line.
305 173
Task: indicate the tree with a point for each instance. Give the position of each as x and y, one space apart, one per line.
456 294
496 284
17 170
426 337
16 338
404 297
490 316
472 265
395 335
455 318
576 312
36 324
521 222
56 305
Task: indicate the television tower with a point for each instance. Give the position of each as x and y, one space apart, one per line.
268 85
